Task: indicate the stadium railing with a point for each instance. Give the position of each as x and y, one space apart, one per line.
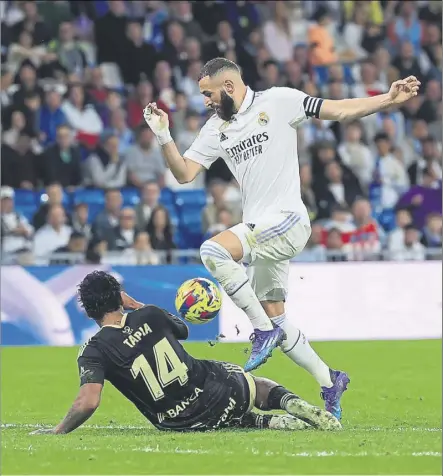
193 257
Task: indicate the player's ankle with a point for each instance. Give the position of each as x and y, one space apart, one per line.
279 397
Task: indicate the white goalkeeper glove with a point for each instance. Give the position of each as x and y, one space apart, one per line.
158 121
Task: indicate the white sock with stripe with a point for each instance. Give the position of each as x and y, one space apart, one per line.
298 349
232 277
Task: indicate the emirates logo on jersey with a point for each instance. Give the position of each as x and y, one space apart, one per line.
248 148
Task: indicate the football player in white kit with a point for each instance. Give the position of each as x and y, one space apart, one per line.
255 133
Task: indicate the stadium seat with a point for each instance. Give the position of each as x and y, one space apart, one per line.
89 196
25 197
27 210
192 198
131 197
167 196
42 197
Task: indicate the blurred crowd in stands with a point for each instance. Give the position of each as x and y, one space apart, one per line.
82 175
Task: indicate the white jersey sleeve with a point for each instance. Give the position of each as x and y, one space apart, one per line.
205 149
296 105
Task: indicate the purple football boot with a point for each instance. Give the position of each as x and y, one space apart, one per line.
332 396
263 343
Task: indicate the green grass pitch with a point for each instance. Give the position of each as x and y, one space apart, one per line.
392 419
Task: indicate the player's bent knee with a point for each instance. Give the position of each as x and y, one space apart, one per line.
263 389
233 241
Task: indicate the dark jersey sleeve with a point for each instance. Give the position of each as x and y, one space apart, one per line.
90 365
178 327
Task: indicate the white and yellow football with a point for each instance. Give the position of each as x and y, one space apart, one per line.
198 300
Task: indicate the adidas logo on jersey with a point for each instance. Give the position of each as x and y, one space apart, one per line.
223 137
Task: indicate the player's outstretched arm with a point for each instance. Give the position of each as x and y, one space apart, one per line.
184 170
349 109
82 409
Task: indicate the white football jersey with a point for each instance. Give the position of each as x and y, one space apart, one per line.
259 145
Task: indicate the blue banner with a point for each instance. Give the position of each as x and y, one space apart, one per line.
39 304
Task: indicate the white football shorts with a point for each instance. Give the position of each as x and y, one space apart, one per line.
268 245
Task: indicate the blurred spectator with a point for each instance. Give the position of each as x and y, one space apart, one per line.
406 27
431 13
182 13
95 86
390 178
322 49
368 85
142 97
412 145
307 194
354 30
19 164
294 75
387 73
106 221
54 234
61 161
192 53
218 190
183 141
223 42
279 33
432 44
77 244
410 249
119 127
67 52
141 253
174 47
16 232
396 237
124 233
429 108
355 154
341 218
144 159
51 117
112 103
270 76
338 192
423 199
23 50
432 232
18 127
208 15
430 160
54 196
150 194
164 83
27 81
243 17
82 116
314 250
189 85
160 231
54 13
180 113
407 62
106 167
31 23
140 58
314 131
80 220
109 31
335 246
369 236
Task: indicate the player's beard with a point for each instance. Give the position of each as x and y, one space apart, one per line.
226 109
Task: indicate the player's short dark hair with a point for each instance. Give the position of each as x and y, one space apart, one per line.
99 293
216 66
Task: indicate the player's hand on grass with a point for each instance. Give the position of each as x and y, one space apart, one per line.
404 89
158 121
43 431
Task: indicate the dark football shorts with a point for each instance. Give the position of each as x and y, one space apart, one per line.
228 394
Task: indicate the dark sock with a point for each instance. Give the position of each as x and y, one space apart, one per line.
278 397
254 420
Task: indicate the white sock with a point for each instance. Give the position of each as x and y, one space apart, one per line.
232 277
298 349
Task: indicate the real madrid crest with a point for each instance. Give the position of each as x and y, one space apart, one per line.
263 118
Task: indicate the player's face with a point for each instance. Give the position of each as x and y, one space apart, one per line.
216 98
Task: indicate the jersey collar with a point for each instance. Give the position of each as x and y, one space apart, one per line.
118 326
247 101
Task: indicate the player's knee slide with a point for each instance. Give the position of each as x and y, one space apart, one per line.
219 262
